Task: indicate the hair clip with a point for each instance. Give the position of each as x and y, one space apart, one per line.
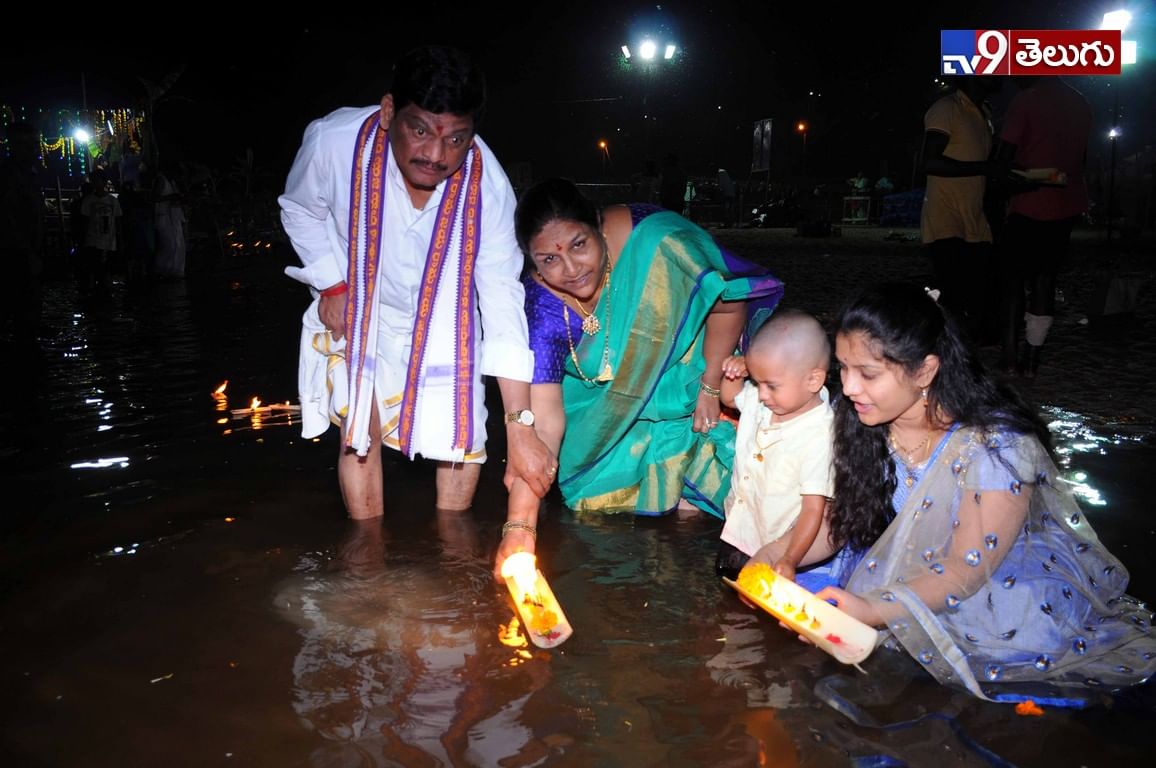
933 293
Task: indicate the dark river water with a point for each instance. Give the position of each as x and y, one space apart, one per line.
180 587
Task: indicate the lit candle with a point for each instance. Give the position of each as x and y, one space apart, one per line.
542 617
256 408
844 637
220 396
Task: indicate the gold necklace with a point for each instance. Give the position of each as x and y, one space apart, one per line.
908 458
774 430
590 323
605 373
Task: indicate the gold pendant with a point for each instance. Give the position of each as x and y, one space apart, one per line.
910 481
759 456
590 325
606 374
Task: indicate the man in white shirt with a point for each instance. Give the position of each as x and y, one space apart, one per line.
403 220
102 213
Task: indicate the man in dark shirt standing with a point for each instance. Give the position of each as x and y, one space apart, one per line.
1047 126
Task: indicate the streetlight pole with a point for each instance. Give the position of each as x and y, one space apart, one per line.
649 56
1113 135
1120 20
801 127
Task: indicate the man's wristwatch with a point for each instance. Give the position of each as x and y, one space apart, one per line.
524 417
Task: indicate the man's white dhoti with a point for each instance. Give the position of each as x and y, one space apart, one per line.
433 430
322 376
323 382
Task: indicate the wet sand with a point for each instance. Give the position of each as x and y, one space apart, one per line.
202 601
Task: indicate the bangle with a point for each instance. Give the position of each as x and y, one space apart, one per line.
709 390
336 290
521 525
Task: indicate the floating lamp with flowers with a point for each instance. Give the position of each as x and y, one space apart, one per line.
542 616
844 637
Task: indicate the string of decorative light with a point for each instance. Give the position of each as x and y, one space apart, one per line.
122 126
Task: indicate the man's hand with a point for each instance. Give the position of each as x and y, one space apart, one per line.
529 458
331 310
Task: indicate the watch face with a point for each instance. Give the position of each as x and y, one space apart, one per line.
524 417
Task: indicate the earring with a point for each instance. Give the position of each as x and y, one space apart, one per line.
925 397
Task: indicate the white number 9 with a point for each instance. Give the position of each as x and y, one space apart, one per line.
994 57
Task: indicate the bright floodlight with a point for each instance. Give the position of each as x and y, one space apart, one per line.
1114 133
626 51
1127 51
670 49
647 49
81 135
1116 20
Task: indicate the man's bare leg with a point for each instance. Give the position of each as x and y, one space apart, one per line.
458 532
360 476
456 484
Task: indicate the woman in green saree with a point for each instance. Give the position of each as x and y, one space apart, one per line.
631 311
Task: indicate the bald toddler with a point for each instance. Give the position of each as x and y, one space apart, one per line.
782 477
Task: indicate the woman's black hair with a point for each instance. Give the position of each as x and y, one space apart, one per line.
550 200
905 325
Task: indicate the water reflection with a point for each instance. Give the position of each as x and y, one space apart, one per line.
1082 490
399 661
1076 436
742 661
117 461
381 645
120 550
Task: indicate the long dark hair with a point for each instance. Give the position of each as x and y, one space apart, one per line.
550 200
907 325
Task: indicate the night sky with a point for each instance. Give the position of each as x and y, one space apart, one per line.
556 82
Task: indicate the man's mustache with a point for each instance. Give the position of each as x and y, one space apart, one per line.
427 165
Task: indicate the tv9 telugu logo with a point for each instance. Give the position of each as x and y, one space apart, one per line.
1029 52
